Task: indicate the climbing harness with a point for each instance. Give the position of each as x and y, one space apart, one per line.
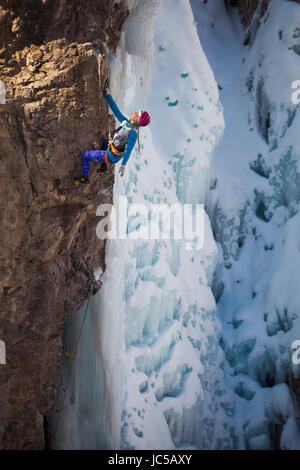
118 143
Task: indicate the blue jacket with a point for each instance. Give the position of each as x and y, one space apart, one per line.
132 138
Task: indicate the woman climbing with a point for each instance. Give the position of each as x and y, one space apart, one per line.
120 147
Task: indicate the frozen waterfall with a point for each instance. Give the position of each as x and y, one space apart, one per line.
162 365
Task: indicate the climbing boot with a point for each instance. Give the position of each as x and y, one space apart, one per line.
81 180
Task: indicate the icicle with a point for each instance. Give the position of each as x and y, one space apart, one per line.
135 50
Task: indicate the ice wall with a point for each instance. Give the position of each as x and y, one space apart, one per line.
254 210
161 358
135 48
78 420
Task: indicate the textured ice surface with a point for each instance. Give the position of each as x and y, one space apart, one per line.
254 210
78 420
162 307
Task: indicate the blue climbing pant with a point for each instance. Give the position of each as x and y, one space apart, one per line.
95 156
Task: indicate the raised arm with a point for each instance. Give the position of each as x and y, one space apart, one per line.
115 109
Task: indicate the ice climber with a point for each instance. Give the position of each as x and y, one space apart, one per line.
122 144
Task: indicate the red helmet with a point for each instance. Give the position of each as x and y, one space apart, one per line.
144 118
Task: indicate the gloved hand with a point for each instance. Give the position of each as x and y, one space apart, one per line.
122 170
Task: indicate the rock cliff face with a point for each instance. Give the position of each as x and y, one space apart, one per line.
54 111
250 8
247 9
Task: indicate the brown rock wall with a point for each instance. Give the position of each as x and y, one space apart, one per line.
54 110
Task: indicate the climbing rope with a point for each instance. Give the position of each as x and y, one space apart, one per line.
73 357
